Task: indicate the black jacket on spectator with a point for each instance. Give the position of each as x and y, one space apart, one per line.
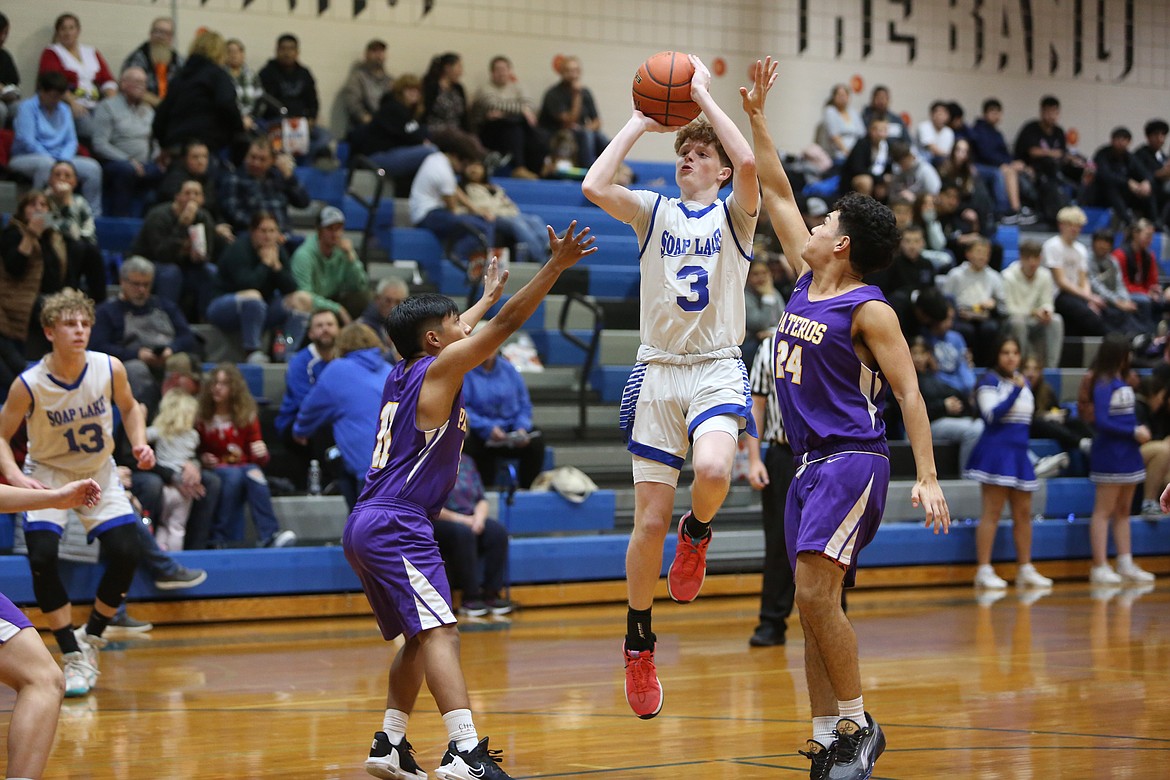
8 72
200 106
163 239
393 125
294 88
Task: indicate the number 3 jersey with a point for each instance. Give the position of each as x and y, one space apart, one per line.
71 426
409 464
827 396
694 262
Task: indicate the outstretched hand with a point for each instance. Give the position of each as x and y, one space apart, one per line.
928 494
763 77
570 248
494 280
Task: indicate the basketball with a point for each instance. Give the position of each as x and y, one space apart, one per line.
662 89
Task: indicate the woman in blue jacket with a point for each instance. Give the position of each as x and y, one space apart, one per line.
499 417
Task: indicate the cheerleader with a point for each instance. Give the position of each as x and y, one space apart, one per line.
1000 463
1115 463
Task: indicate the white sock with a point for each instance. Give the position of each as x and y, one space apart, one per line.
823 730
1125 561
394 724
461 730
853 709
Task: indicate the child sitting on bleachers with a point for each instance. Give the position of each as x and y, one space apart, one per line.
174 439
523 233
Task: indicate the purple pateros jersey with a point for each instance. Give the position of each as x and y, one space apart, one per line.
827 396
409 464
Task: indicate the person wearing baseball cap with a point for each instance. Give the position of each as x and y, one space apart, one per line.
327 267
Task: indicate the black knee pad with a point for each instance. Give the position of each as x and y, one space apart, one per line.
42 560
122 550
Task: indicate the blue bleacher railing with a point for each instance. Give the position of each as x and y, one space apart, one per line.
590 349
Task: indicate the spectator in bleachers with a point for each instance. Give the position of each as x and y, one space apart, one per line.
196 164
935 136
960 170
568 105
1050 420
266 182
1115 464
328 268
1139 271
842 126
395 138
346 398
906 278
230 443
953 420
868 166
1000 463
1120 183
960 223
73 218
956 123
1151 157
141 330
524 234
926 217
1043 147
88 77
27 244
257 289
879 108
505 120
122 142
181 239
249 90
157 58
201 100
995 163
45 134
389 293
911 175
444 99
1154 413
291 85
1068 260
172 430
763 306
1030 306
474 546
305 367
9 77
1119 312
978 294
435 192
499 421
947 345
366 84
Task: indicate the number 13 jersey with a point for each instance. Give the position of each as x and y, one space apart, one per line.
694 262
71 426
827 396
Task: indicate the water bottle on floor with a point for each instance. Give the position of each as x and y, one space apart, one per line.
314 477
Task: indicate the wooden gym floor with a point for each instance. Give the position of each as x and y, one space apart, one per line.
1074 685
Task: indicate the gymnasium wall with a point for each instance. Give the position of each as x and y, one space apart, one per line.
1106 59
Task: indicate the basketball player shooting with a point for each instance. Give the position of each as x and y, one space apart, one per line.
837 344
689 384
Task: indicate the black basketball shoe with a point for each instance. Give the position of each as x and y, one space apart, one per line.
821 758
857 749
393 762
479 763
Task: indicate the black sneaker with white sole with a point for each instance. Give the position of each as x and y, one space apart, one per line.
180 579
393 762
821 758
479 763
857 749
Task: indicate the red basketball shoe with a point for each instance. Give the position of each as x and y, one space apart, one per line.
643 691
689 568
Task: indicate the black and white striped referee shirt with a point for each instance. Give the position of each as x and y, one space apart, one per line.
763 383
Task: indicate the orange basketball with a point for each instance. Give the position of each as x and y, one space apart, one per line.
662 89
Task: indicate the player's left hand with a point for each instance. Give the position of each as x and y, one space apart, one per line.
701 81
764 76
145 457
494 280
928 494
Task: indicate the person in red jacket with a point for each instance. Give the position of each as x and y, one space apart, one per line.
230 443
1139 271
90 77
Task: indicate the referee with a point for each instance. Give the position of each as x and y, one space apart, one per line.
772 476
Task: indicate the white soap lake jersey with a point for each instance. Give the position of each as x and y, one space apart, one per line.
71 426
694 262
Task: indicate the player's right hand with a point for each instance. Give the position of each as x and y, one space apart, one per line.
566 251
758 475
83 492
